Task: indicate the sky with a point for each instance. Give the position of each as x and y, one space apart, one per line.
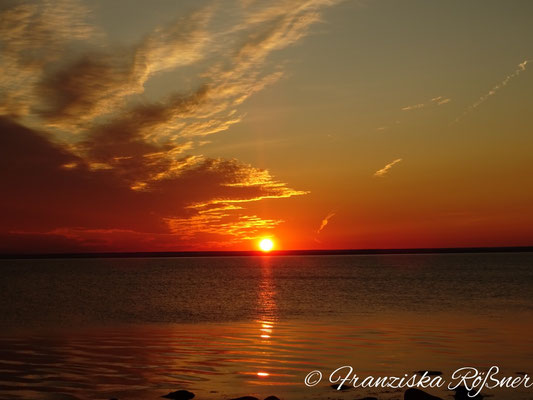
210 125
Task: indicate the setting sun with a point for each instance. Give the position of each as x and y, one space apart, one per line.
266 245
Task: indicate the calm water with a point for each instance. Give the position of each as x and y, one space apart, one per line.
227 327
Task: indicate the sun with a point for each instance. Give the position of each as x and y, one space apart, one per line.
266 245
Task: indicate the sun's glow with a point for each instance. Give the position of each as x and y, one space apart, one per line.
266 245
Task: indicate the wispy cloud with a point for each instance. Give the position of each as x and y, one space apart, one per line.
413 107
75 90
383 171
32 37
92 98
89 113
438 101
97 82
521 68
204 195
324 222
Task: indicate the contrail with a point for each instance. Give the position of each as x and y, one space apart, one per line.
492 92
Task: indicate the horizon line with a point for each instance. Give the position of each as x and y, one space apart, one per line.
252 253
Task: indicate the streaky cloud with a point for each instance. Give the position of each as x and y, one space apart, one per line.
439 100
385 170
324 222
521 68
122 155
33 36
77 199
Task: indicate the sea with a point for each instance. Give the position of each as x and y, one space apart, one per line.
288 326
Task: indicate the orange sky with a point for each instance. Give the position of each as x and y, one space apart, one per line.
320 123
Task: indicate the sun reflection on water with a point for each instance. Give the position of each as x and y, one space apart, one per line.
267 311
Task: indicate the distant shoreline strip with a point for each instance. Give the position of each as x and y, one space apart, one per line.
275 253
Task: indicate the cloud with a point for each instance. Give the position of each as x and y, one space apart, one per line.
102 80
32 36
53 191
107 161
414 107
492 92
217 224
93 99
324 222
96 83
383 171
439 100
521 67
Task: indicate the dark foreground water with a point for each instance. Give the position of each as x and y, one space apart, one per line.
227 327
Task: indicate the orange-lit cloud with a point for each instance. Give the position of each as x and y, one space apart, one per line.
96 81
54 192
115 162
324 222
220 225
383 171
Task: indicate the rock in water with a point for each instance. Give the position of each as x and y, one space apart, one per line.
415 394
179 395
